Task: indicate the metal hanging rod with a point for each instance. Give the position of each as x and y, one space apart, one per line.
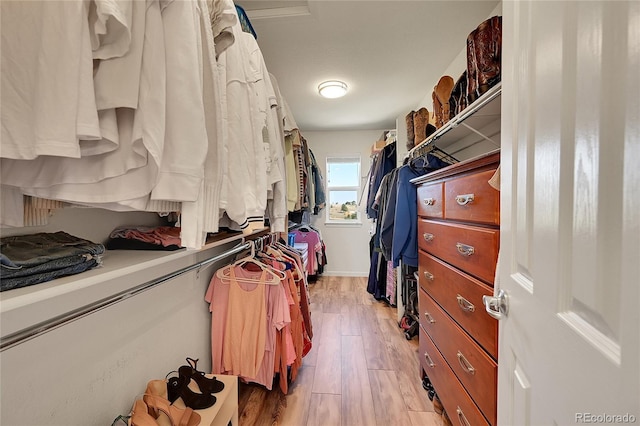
33 331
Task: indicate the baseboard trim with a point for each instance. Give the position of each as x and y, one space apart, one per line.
345 274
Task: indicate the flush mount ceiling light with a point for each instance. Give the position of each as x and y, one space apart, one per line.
332 89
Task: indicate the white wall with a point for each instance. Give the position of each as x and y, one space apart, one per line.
92 224
347 245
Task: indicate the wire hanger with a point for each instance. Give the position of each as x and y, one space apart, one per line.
431 148
274 275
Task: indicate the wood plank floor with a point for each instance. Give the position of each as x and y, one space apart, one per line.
361 370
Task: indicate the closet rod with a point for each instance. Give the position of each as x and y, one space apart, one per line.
33 331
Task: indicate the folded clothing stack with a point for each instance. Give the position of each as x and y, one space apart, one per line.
32 259
144 238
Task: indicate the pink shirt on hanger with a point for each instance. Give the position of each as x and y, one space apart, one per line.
277 316
315 246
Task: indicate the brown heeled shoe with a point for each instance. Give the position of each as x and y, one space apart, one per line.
179 417
157 388
140 415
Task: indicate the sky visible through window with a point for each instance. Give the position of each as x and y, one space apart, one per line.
343 174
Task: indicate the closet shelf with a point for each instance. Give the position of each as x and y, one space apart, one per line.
121 270
484 111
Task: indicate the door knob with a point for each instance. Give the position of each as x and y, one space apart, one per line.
497 306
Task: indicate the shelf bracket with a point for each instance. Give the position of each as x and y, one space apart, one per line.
480 134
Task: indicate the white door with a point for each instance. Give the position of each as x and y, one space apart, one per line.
570 239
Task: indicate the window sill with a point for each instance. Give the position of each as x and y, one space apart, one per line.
353 224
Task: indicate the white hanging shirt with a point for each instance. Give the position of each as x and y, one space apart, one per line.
244 194
110 25
182 169
277 202
146 125
223 18
201 215
41 70
117 80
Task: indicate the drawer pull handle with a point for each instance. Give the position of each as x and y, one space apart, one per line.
430 362
462 418
465 364
429 201
464 249
429 318
464 199
428 237
428 275
465 305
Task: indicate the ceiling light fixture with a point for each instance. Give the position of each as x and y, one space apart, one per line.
332 89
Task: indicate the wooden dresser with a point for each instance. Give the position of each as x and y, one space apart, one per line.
458 240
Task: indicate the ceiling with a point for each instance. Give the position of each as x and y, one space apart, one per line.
390 53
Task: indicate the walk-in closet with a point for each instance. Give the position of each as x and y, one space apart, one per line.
319 213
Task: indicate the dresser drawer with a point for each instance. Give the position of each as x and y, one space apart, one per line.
471 199
472 249
459 406
470 363
430 200
461 296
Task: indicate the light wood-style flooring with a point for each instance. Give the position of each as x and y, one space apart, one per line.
361 370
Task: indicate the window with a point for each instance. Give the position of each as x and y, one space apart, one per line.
343 189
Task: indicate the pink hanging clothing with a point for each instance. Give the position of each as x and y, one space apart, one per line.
315 246
391 283
245 333
277 316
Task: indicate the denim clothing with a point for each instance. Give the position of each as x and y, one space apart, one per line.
388 216
320 197
12 283
405 241
372 282
34 249
35 258
52 265
383 163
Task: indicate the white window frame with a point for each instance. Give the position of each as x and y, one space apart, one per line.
347 158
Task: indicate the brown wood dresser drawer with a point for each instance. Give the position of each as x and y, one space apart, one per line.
461 296
472 249
471 199
457 402
469 362
430 200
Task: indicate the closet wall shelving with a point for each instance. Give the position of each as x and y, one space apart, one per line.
483 112
120 264
101 335
30 311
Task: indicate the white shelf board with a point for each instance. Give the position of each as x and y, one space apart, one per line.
481 113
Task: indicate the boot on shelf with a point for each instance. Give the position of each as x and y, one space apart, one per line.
472 68
484 56
441 95
411 139
458 98
420 122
